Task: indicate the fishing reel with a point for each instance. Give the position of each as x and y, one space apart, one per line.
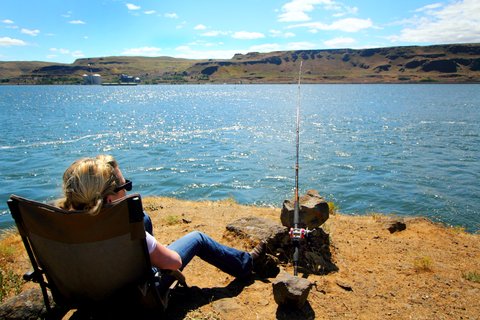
299 233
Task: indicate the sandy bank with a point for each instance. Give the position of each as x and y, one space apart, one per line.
418 273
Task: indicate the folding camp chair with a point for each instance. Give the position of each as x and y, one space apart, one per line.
89 261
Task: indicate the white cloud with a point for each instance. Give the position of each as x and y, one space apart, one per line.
7 21
346 25
429 7
266 47
150 12
305 45
204 43
245 35
131 6
77 22
280 34
77 54
200 27
60 50
181 25
346 11
171 15
8 42
269 47
296 10
73 54
340 42
143 51
453 23
214 33
351 24
30 32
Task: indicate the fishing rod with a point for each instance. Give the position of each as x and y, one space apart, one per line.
297 233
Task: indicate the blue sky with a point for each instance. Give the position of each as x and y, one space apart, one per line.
64 30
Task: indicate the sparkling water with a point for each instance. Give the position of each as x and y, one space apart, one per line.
400 149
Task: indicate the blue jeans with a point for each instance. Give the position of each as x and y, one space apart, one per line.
147 223
230 260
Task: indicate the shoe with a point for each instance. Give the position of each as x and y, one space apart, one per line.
264 264
259 251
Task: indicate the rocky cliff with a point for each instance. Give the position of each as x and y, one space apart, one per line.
455 63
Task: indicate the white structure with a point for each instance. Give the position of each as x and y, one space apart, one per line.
92 79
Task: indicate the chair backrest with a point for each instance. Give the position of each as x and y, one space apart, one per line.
85 258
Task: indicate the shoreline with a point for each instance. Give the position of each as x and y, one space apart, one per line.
220 83
9 223
423 271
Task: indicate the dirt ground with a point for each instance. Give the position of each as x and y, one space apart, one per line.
418 273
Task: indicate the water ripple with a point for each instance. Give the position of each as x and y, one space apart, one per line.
394 149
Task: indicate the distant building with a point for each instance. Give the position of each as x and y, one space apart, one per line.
124 78
92 79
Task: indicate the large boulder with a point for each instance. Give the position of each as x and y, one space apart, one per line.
314 211
289 290
27 305
256 229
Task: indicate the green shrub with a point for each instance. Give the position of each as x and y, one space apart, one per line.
332 208
171 220
472 276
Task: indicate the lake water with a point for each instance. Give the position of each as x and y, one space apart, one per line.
402 149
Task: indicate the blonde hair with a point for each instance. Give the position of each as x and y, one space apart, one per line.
87 182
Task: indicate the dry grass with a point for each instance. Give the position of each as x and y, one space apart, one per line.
423 264
10 276
473 276
170 220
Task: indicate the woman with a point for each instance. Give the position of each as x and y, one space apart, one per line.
89 183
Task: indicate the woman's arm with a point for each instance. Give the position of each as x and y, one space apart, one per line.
164 258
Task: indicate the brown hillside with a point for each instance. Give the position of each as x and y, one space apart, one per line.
455 63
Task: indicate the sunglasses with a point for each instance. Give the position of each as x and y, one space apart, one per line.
127 186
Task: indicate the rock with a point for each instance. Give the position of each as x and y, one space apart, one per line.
315 255
290 290
314 211
414 64
396 226
256 229
445 66
27 305
226 306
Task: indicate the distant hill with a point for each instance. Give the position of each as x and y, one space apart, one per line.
453 63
